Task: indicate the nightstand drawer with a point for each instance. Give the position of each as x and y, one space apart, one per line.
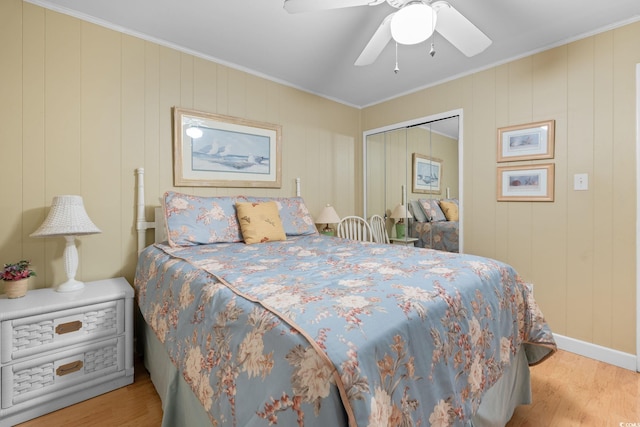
32 382
34 335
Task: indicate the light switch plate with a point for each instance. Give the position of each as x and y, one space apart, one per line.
581 181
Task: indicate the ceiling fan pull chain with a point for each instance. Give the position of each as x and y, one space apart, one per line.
432 52
395 70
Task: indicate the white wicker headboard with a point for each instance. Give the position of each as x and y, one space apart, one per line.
142 225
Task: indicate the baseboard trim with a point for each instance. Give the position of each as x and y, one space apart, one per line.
597 352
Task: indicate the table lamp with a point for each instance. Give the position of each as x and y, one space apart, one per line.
327 216
400 213
69 219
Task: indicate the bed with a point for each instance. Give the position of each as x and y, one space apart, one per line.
435 224
313 330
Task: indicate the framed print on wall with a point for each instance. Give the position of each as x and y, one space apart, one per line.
426 174
527 183
533 141
212 150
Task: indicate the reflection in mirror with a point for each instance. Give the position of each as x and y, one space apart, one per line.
416 166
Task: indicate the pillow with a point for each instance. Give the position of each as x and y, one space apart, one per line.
432 210
260 222
195 220
450 210
416 210
295 217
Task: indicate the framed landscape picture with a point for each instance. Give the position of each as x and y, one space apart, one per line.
526 183
427 174
532 141
212 150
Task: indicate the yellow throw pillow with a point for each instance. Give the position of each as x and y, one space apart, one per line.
450 210
260 222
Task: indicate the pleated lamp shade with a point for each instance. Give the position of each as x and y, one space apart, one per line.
67 217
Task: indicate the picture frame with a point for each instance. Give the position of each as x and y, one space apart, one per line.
214 150
426 174
531 141
526 183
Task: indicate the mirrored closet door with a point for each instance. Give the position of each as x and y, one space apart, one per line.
413 180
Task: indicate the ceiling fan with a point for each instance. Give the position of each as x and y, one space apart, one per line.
413 23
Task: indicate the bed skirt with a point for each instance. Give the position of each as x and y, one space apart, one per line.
182 408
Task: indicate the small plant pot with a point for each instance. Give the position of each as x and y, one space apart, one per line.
16 288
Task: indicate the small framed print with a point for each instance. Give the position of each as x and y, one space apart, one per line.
532 141
527 183
427 174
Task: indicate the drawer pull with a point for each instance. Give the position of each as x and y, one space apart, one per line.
65 328
69 368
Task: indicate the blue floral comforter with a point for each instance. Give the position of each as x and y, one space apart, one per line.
320 331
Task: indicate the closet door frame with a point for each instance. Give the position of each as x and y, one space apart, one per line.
431 118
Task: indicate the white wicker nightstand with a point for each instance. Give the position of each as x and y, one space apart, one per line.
57 349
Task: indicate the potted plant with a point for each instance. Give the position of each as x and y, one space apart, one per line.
16 278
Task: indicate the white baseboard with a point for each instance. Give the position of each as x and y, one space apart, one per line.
597 352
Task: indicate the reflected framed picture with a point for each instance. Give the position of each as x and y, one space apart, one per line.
212 150
532 141
427 174
527 183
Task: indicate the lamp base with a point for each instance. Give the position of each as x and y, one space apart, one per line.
327 231
400 230
70 286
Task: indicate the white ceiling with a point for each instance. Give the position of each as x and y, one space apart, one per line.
315 51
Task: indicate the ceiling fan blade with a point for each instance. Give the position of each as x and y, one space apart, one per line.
460 32
378 42
299 6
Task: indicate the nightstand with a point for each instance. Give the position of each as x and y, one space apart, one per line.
407 241
57 348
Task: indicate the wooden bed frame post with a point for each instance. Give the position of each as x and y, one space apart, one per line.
142 225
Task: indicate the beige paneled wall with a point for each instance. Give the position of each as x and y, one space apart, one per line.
578 251
83 106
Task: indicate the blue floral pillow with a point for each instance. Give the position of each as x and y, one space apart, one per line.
196 220
432 209
295 217
416 210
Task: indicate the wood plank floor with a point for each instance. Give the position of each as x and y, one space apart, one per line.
568 390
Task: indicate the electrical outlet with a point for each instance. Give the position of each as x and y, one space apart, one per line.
581 181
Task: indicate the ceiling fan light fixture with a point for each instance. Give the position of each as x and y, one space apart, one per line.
413 24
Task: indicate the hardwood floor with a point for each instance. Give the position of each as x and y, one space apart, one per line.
568 390
136 405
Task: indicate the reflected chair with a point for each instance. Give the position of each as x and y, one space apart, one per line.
379 229
355 228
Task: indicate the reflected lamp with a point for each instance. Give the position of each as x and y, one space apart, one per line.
194 132
327 216
399 214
